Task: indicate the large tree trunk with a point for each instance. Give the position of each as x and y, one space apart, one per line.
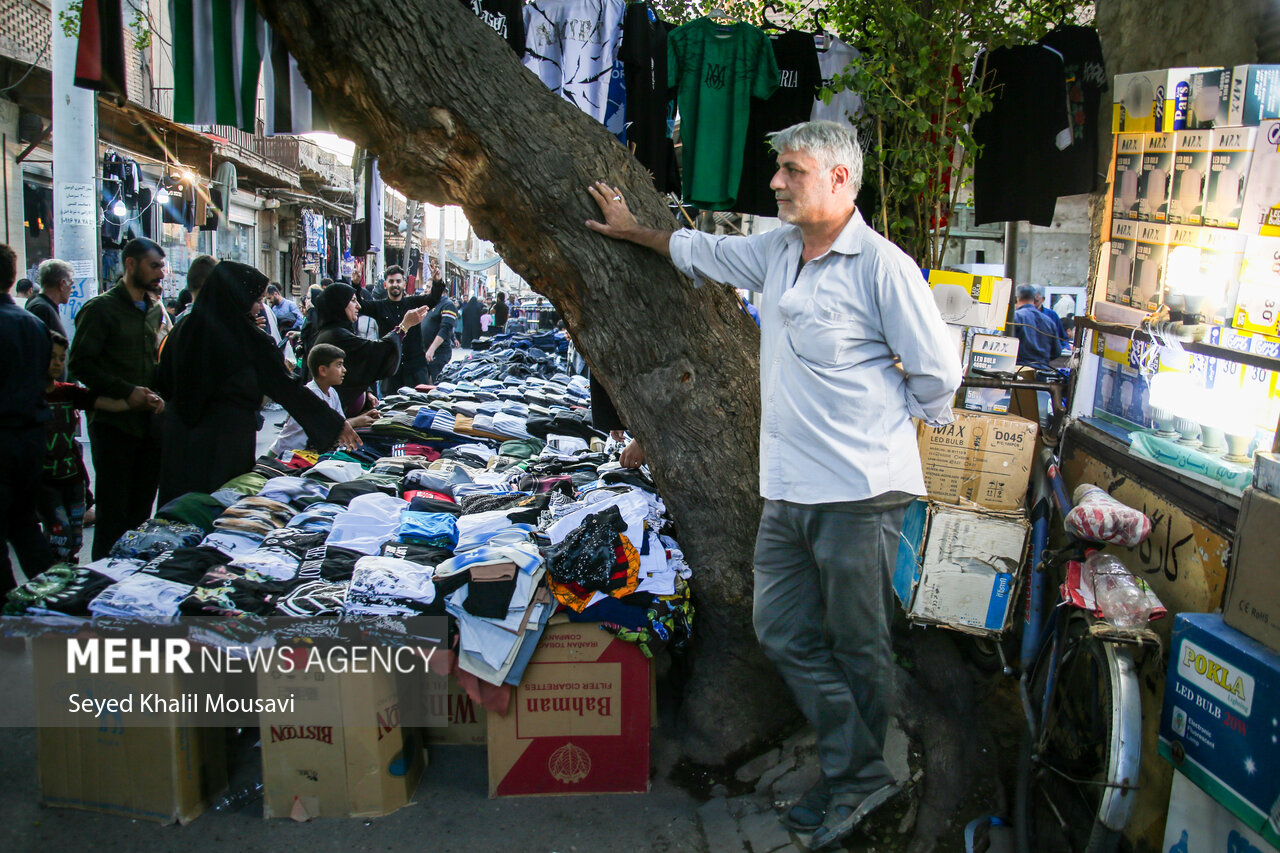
455 118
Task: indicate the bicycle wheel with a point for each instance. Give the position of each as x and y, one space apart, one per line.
1075 780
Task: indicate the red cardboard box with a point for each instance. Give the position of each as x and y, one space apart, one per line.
578 722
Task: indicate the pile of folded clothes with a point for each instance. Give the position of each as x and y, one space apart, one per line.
474 512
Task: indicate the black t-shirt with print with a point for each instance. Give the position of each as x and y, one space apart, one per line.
504 17
1086 81
62 453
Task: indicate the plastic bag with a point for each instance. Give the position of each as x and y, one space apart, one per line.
1103 586
1098 517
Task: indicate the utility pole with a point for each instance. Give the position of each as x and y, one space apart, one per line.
75 159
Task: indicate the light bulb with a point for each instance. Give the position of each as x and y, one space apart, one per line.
118 209
162 196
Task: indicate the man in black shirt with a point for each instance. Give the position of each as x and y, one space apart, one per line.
24 367
501 311
56 278
388 313
438 329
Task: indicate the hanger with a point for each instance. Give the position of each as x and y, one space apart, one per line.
768 24
720 16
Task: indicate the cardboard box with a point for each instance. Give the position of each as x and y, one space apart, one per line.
1147 101
1257 306
1196 824
1266 475
579 720
1218 722
167 773
1252 603
965 299
467 721
1146 290
960 568
1191 155
1209 98
1126 177
1261 206
1221 251
1124 246
1232 153
1156 177
993 353
1255 94
368 766
979 458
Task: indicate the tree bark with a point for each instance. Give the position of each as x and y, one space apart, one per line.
456 119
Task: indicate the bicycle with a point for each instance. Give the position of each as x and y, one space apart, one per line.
1078 684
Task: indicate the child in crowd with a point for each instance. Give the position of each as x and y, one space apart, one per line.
325 361
62 490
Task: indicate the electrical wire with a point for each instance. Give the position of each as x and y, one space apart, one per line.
34 64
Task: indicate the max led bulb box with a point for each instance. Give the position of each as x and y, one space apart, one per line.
1156 177
1190 177
1123 245
1255 94
1126 176
1260 213
1150 247
1232 151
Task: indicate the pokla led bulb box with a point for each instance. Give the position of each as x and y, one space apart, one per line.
1260 213
1124 243
960 567
1209 99
1255 94
994 354
578 722
1229 159
1149 256
1220 720
1257 306
979 458
965 299
162 770
1252 602
1197 824
367 766
1126 175
1148 101
1190 177
1155 177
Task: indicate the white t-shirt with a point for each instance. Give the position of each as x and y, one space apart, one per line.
832 61
292 435
571 47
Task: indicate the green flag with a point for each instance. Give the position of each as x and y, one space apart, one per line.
217 54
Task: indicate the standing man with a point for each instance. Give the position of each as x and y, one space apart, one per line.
471 311
437 328
24 368
1038 341
288 317
1054 320
56 280
388 313
501 312
24 291
114 354
852 348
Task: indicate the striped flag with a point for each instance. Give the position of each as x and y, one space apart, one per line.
100 47
217 54
290 106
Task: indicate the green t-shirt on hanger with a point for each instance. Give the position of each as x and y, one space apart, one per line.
717 69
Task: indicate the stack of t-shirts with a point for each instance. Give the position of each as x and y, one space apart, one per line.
155 536
184 565
435 481
593 559
255 515
58 596
392 598
238 487
494 528
401 465
233 543
427 556
369 521
193 508
140 597
298 492
311 610
564 447
365 484
437 529
234 594
317 517
281 553
334 471
496 649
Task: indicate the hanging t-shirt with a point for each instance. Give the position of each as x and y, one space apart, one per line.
1021 137
504 17
717 70
799 77
644 55
1086 74
572 45
835 59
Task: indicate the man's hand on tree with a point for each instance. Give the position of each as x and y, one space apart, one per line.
619 221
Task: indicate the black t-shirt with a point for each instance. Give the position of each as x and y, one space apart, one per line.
388 315
644 57
790 104
1014 177
504 17
1086 81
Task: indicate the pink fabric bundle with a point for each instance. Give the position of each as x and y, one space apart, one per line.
1098 517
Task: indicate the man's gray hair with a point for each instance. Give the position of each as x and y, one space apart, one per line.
1025 292
53 271
831 144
